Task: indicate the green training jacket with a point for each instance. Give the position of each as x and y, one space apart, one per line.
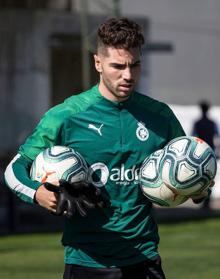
114 138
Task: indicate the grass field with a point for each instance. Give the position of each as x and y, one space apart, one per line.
189 250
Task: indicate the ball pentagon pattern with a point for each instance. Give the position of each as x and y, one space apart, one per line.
152 185
188 164
184 167
59 162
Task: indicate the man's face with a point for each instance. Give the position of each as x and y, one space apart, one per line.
119 71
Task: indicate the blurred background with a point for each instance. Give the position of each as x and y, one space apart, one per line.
46 55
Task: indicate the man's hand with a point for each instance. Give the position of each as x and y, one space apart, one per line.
75 197
46 199
200 197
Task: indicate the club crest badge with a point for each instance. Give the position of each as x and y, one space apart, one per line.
142 132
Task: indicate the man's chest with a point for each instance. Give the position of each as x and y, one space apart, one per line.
103 136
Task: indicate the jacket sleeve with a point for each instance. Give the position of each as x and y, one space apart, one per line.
17 178
46 134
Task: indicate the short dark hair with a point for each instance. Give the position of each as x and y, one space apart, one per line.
120 33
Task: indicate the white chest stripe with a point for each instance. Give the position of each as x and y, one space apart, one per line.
14 183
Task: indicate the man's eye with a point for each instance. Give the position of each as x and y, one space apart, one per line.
122 67
135 65
119 67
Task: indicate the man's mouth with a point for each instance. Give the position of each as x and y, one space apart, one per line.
126 85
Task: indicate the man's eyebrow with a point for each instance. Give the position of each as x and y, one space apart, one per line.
124 64
117 63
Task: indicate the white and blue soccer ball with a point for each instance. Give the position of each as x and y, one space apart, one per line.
184 167
59 162
152 184
189 164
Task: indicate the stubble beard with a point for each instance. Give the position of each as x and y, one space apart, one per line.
115 92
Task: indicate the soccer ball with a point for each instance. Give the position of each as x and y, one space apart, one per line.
189 165
184 167
152 185
59 162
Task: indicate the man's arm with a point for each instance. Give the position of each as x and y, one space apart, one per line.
18 180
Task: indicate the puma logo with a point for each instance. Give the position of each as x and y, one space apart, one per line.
98 130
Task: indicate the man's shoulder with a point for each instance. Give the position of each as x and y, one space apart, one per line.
84 98
76 103
151 104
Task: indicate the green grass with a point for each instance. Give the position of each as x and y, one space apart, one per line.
37 256
189 250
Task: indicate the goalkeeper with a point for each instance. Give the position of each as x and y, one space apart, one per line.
109 230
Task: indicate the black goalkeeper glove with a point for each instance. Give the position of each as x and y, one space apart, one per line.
75 197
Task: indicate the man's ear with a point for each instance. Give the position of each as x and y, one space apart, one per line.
97 63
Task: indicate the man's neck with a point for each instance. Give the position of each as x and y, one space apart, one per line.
110 96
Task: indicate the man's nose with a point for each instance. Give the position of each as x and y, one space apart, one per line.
127 74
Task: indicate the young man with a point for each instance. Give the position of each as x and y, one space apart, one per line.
122 240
